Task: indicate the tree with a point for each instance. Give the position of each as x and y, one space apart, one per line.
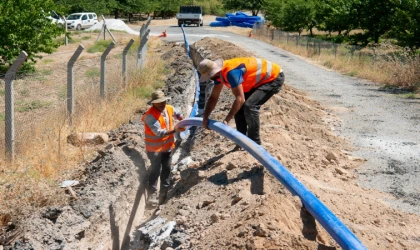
24 26
376 17
100 7
407 23
298 15
253 5
291 15
335 15
273 12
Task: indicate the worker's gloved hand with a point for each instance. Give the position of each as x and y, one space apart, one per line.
181 129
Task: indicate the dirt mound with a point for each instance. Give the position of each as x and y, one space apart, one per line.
213 48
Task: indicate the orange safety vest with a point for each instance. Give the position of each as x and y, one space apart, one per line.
156 143
258 72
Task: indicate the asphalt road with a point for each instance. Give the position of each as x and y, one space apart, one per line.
383 127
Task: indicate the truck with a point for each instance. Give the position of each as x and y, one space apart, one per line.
189 15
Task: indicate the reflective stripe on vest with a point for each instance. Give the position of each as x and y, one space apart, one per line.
156 143
258 71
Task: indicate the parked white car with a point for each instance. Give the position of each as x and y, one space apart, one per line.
55 18
81 20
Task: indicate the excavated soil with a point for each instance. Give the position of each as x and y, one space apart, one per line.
222 199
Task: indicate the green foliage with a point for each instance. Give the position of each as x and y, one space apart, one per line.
407 23
376 17
335 15
211 7
253 5
100 7
24 26
291 15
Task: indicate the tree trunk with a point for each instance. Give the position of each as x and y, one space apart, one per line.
310 32
129 17
116 14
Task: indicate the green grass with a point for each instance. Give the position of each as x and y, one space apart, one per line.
118 56
32 105
74 40
410 96
328 64
86 37
143 91
44 72
117 31
352 73
24 92
2 91
99 46
48 60
93 73
62 93
2 117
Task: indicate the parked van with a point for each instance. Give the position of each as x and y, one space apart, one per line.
81 20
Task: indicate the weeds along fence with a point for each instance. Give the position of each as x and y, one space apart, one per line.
34 104
387 64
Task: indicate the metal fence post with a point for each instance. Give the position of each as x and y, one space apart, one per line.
70 82
272 35
142 31
335 50
66 38
9 106
319 47
297 41
103 68
143 42
287 38
307 43
124 63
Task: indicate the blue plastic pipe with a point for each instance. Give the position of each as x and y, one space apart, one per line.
341 234
187 46
194 110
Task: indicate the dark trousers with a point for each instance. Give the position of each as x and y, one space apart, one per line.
248 117
160 166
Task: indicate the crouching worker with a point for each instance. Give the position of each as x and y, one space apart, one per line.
159 137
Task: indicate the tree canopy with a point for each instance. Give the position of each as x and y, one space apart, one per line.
28 29
253 5
373 19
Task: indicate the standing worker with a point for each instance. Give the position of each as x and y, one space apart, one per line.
159 137
253 82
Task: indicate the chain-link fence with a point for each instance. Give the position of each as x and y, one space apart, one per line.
313 46
33 104
384 63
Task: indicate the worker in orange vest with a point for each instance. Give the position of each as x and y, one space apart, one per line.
159 139
253 82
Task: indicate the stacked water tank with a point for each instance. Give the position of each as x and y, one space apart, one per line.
238 19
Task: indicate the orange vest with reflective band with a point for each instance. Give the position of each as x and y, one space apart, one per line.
258 72
156 143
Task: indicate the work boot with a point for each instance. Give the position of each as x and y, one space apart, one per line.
163 196
237 148
152 199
